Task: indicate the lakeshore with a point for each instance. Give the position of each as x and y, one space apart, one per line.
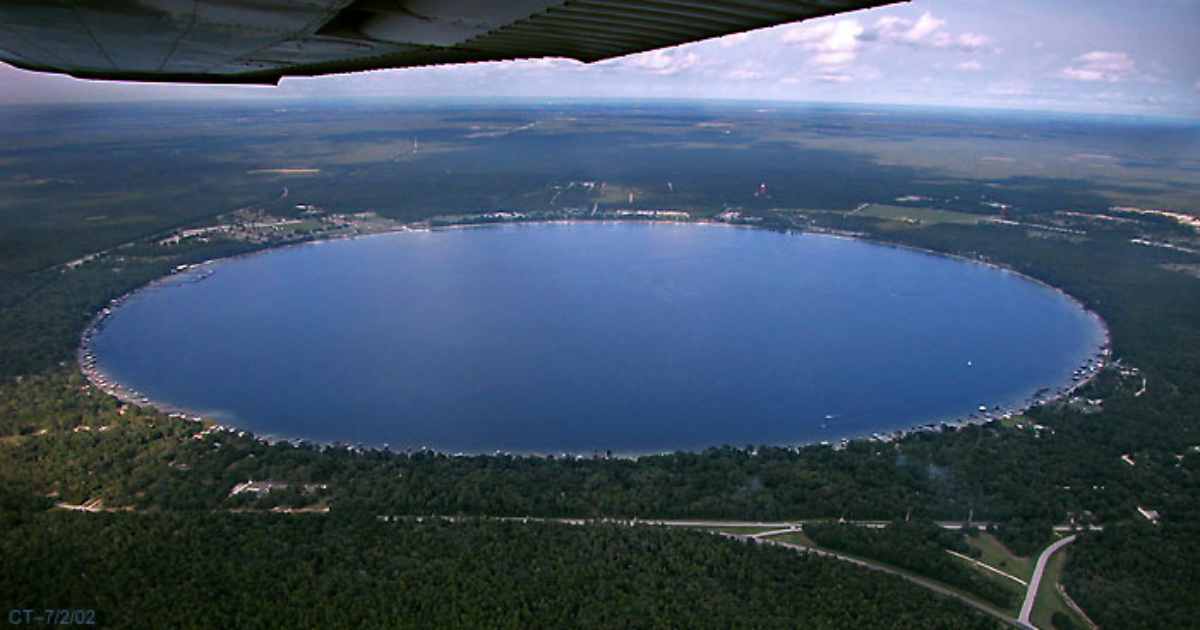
985 413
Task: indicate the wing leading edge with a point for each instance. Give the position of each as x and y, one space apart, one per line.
261 41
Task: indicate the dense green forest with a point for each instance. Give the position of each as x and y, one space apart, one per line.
175 570
62 441
1022 479
1136 575
43 313
918 546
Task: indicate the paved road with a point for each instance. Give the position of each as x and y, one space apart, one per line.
773 528
709 523
1036 580
780 527
866 564
988 567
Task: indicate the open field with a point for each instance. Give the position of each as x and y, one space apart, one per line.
741 531
997 555
1049 601
190 164
923 217
284 171
795 538
1018 591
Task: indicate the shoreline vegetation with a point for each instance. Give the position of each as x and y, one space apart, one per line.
166 537
1020 532
86 359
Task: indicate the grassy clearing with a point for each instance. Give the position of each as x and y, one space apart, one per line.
795 538
921 217
799 538
812 210
284 171
617 194
12 440
741 531
1011 423
306 226
1048 599
1016 589
997 555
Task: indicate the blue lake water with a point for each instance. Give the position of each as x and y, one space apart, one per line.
587 337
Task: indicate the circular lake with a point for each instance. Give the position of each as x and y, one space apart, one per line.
588 337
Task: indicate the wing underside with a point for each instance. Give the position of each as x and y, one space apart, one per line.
261 41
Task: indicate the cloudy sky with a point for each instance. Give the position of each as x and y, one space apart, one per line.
1111 56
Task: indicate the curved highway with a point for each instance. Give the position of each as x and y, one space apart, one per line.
866 564
1036 580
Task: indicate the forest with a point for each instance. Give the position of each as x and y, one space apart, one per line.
177 570
918 546
1023 481
227 558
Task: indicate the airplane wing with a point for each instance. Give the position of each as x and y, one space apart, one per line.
261 41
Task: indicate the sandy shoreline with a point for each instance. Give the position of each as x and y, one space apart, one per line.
1052 393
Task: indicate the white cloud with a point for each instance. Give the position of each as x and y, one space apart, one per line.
924 31
970 66
745 72
832 44
729 41
1009 89
835 77
835 46
838 76
898 29
889 25
1197 86
1100 65
1078 74
662 62
543 63
972 41
868 73
925 25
